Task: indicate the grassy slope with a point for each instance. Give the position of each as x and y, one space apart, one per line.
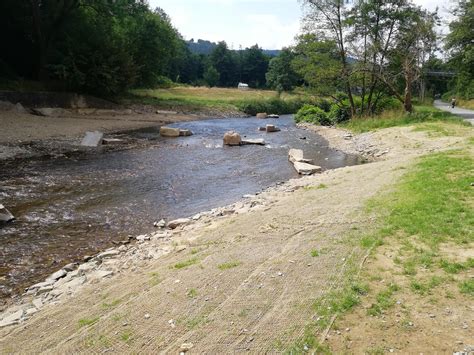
422 114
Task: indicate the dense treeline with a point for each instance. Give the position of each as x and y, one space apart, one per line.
106 47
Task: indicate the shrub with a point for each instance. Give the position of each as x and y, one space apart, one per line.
340 113
313 114
273 105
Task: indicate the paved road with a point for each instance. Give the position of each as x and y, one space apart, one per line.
468 115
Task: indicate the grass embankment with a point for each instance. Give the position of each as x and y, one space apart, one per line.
224 99
425 224
422 114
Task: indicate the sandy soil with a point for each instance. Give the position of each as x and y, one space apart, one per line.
27 127
245 281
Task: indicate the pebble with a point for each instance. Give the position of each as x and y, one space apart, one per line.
147 316
280 274
432 315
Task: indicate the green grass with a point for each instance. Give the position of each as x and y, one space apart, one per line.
192 293
110 305
424 115
425 288
384 300
314 253
126 336
186 263
228 265
467 287
84 322
432 203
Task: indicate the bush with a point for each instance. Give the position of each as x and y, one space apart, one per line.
273 106
340 113
313 114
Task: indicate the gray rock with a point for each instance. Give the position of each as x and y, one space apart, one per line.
306 169
185 133
40 285
143 237
232 138
178 222
108 254
19 108
57 275
5 215
160 224
164 112
92 139
109 141
169 132
44 289
273 116
258 141
13 318
48 111
37 302
70 267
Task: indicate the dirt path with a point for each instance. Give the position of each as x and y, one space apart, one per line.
242 282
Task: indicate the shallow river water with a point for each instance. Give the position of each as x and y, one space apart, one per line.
67 208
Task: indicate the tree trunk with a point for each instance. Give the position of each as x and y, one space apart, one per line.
408 94
40 64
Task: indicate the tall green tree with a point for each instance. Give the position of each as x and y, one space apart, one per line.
460 47
281 75
226 64
254 67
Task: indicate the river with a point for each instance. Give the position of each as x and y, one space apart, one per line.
77 205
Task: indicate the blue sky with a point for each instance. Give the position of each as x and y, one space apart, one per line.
270 23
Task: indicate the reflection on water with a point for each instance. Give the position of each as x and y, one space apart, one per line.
67 208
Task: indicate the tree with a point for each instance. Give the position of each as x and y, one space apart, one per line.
225 62
327 19
281 75
460 47
318 63
254 66
211 76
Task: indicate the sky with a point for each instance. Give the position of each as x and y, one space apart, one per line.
272 24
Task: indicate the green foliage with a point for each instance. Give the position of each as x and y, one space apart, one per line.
384 300
273 105
83 322
460 46
424 288
467 287
280 75
211 76
186 263
313 114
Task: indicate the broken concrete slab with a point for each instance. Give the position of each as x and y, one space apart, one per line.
109 141
273 116
92 139
5 215
272 128
296 155
169 132
257 141
306 169
164 112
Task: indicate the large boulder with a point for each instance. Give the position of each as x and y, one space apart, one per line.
306 169
92 139
169 132
178 222
232 138
5 215
262 115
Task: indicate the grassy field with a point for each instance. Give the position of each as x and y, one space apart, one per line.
225 99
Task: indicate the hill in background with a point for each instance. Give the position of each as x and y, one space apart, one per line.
202 46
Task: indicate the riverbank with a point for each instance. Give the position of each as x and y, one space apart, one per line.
244 277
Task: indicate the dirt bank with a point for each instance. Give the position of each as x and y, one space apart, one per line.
241 278
23 134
